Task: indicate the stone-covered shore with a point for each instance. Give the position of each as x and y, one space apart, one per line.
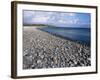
44 50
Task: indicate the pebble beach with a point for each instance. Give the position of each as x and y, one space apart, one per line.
44 50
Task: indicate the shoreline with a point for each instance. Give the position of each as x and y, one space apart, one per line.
44 50
80 42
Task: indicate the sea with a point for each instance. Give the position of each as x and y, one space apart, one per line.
82 35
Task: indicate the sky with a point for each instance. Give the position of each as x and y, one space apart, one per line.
58 19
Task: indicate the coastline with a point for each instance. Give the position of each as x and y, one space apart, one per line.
77 41
44 50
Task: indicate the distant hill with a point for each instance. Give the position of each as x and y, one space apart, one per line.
45 25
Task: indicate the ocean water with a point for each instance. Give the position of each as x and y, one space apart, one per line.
76 34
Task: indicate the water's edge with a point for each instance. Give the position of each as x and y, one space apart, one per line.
81 42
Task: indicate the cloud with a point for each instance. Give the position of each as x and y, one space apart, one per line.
68 14
52 18
56 18
71 14
68 21
49 13
62 21
75 21
40 19
68 18
28 14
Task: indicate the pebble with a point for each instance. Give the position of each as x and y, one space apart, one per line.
43 50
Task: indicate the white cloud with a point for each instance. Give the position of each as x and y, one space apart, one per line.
71 14
28 13
68 18
69 21
52 18
68 14
66 21
62 21
75 21
50 13
40 19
